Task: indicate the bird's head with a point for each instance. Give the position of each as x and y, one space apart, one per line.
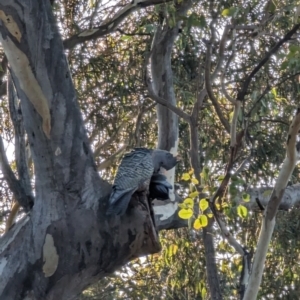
165 159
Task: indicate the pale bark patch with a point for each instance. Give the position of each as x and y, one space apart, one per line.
57 151
163 210
3 263
28 83
50 256
11 25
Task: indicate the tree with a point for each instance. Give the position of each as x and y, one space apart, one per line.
221 68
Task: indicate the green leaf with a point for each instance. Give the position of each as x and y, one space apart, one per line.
229 12
267 193
149 28
246 197
203 293
204 173
194 194
242 211
126 38
294 48
220 178
274 92
196 21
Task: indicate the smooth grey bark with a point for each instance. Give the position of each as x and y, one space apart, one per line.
162 77
66 242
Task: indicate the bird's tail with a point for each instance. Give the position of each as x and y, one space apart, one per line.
118 202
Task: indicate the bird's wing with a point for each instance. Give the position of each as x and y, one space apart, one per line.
135 168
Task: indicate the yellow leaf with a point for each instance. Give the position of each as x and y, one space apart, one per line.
242 211
203 293
175 248
181 205
224 266
230 116
194 194
225 12
194 181
186 177
203 220
224 205
218 206
203 204
191 171
210 215
185 213
197 224
189 203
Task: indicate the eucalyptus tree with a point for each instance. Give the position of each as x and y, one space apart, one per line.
222 77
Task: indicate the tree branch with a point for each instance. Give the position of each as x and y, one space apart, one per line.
224 91
209 88
13 183
268 223
243 91
3 84
237 108
267 89
20 145
159 100
221 52
111 25
105 164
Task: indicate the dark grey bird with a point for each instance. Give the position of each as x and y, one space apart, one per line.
134 174
159 187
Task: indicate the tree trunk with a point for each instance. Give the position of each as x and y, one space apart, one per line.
66 242
162 76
